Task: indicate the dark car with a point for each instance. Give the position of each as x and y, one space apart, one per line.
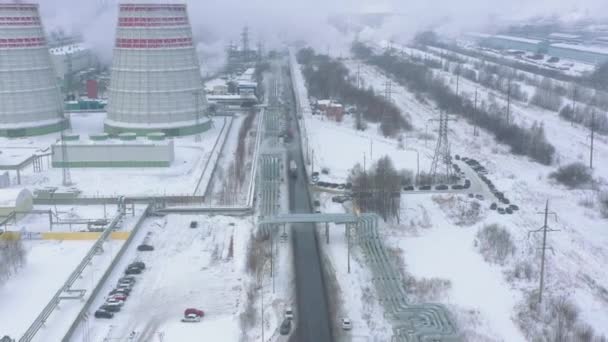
457 157
513 207
110 308
193 224
103 314
509 210
408 188
285 327
341 186
501 210
471 195
493 206
441 187
127 280
349 186
316 203
505 201
139 264
132 270
457 187
425 187
145 248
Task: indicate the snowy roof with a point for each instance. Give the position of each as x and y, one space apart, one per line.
10 197
243 83
564 35
324 102
584 48
518 39
478 35
67 49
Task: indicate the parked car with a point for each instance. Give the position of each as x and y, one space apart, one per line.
103 314
145 248
408 188
289 313
457 157
125 292
197 312
341 186
471 195
132 270
479 197
127 279
509 210
118 296
124 286
346 324
505 201
494 206
139 264
514 207
441 187
193 224
191 318
501 210
457 187
285 327
110 308
317 203
424 187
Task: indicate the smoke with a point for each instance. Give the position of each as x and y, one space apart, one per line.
276 21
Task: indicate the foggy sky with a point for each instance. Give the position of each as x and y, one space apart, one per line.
216 22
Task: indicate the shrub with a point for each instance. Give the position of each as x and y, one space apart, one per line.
495 244
573 175
603 200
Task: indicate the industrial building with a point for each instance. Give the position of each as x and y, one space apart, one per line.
70 59
551 46
126 151
155 82
30 100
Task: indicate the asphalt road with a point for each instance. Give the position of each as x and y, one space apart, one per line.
313 320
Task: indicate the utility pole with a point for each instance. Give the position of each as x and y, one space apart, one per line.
475 128
509 101
574 88
67 178
544 229
592 139
457 79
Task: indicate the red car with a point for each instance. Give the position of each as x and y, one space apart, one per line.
199 313
119 296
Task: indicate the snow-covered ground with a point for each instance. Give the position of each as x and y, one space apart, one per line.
579 246
201 268
48 265
179 179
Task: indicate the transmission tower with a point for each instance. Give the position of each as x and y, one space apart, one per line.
544 229
442 161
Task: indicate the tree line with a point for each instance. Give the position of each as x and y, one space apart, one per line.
418 78
327 78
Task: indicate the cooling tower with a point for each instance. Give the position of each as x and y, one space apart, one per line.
155 83
30 100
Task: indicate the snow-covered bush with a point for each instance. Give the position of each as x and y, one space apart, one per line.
573 175
603 200
495 244
12 257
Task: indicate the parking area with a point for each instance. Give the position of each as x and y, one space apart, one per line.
182 265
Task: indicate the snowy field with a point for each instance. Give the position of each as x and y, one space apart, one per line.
328 138
579 246
179 179
201 268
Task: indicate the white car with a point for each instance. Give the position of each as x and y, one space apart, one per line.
115 302
191 318
346 324
289 313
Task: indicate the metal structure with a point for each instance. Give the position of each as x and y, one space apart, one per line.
155 73
66 292
30 100
442 158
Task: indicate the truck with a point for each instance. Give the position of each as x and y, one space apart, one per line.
293 169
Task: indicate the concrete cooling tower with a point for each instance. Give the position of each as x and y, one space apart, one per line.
30 99
155 85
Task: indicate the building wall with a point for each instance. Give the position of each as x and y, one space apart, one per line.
578 55
81 60
115 155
